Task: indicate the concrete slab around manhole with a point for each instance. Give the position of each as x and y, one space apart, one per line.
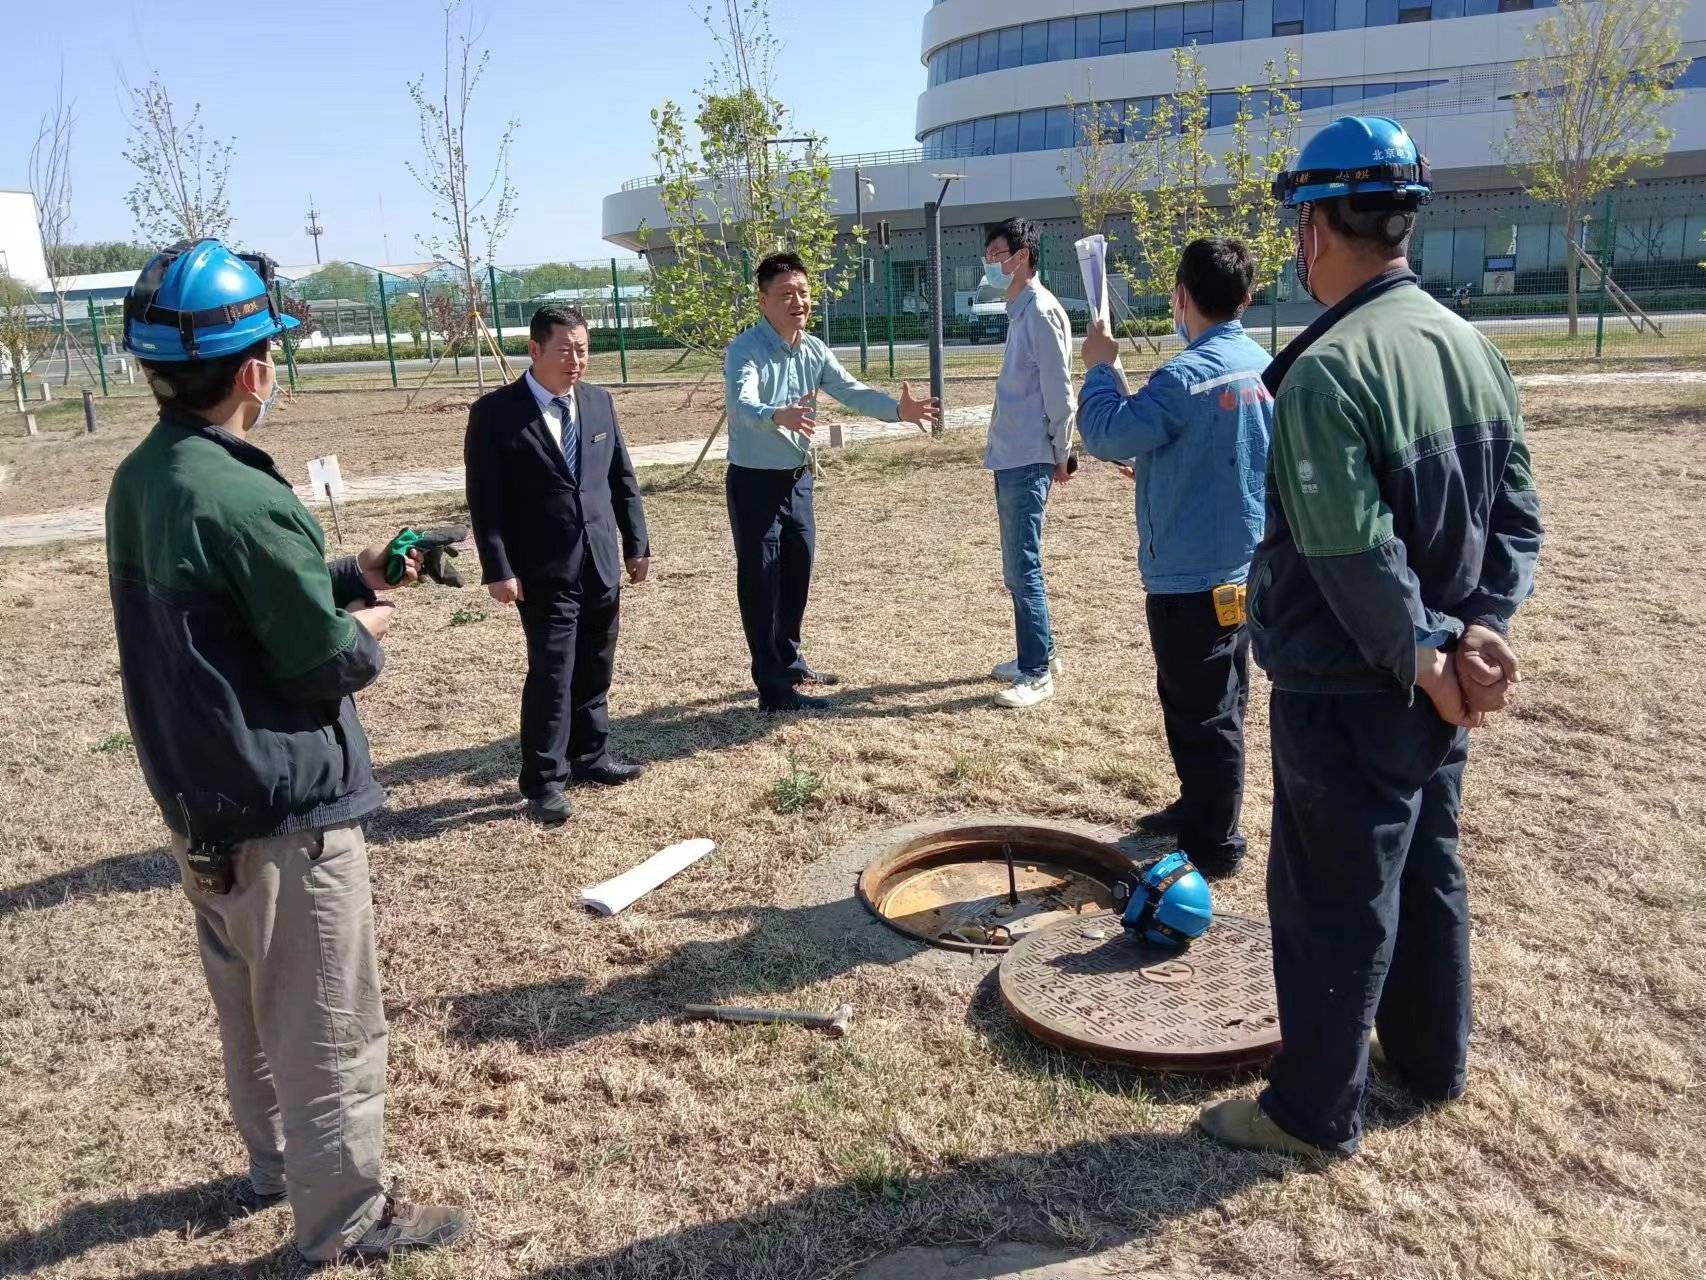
998 1262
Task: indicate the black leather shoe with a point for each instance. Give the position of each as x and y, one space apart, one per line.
609 773
1163 822
409 1226
1218 868
794 702
823 679
551 808
253 1201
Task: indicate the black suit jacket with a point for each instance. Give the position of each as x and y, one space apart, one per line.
531 521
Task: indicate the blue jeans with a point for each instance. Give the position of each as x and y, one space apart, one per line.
1021 499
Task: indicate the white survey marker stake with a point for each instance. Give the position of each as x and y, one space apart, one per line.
621 891
324 476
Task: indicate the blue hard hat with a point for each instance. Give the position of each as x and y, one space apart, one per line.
200 300
1357 156
1169 903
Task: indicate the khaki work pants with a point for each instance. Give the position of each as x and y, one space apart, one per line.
292 966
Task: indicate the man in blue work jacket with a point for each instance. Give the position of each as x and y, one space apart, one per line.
772 374
1197 438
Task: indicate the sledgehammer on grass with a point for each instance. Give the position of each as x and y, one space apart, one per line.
836 1021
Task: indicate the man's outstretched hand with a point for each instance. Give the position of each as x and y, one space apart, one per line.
921 412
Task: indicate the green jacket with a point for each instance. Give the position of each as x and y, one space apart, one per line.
235 653
1401 505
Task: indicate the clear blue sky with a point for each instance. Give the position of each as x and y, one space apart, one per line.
314 93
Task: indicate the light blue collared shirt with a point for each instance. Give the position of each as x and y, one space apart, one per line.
762 374
1034 400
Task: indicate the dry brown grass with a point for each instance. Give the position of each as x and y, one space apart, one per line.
538 1075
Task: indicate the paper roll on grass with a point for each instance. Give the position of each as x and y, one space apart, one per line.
621 891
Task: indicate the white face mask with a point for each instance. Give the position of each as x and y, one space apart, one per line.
995 274
267 403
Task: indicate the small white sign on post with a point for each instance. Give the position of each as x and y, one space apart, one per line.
325 477
1093 263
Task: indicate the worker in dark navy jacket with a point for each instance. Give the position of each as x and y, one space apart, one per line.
1196 435
557 517
1403 531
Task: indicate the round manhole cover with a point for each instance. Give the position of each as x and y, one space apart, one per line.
1091 986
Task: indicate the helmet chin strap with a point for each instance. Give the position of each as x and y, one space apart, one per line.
1301 263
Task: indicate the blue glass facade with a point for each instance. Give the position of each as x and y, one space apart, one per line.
1052 128
1172 26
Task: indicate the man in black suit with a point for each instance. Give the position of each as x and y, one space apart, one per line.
550 486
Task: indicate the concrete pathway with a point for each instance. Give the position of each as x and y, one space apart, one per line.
80 524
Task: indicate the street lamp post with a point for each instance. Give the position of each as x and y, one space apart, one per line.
859 186
933 252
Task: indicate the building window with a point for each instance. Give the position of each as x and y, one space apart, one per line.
1089 36
1288 17
1010 47
1060 39
1006 135
1058 130
989 51
1199 22
1319 15
1113 33
1228 21
1415 12
1139 30
1169 26
1034 43
983 137
1381 13
1222 109
1514 6
1033 130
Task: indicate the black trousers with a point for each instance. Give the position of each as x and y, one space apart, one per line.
1369 906
775 535
565 704
1202 673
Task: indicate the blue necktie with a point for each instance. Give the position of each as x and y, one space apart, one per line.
571 438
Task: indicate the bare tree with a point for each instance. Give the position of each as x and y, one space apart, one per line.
470 226
181 173
1589 101
50 180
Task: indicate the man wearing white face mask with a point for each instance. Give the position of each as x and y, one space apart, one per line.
1030 440
240 648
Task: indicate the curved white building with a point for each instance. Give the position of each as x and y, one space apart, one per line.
999 75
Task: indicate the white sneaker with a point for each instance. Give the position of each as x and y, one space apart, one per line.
1027 693
1008 672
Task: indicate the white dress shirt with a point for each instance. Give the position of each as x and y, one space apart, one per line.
550 410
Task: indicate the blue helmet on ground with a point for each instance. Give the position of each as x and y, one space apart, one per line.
200 300
1357 156
1169 903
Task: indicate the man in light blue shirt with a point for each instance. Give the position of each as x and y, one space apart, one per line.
1030 440
1197 436
772 374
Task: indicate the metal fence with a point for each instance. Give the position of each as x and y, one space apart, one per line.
378 328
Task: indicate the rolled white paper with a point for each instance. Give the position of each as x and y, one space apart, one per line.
621 891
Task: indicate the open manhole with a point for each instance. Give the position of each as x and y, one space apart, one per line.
985 886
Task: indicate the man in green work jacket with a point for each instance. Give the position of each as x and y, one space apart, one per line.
1402 533
239 650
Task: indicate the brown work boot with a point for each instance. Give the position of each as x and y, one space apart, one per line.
1240 1123
405 1225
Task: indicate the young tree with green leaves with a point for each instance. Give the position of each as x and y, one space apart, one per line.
1589 103
730 197
1172 189
179 193
20 340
